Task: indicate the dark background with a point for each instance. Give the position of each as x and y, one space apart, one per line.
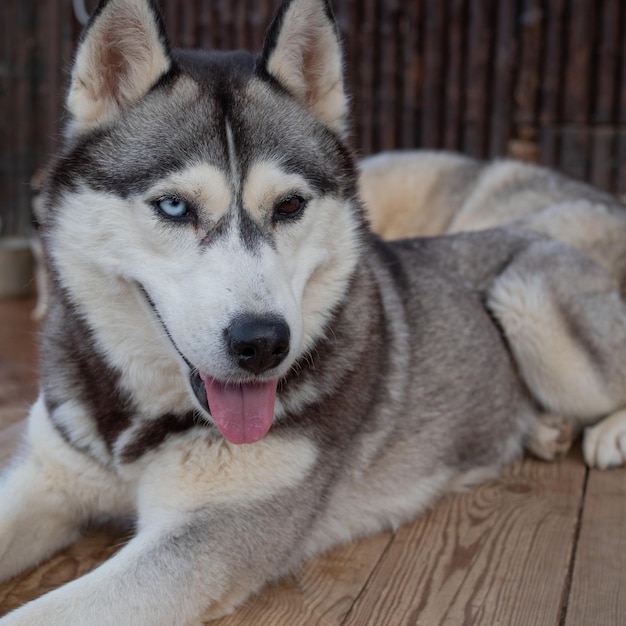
544 81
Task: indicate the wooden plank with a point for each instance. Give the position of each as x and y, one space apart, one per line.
410 70
506 49
606 64
597 592
575 151
22 116
477 93
7 38
241 39
218 31
256 22
171 16
188 24
549 145
621 162
553 62
18 331
499 554
529 70
18 360
621 110
368 48
206 27
48 60
347 14
603 166
456 75
385 95
578 70
10 437
432 95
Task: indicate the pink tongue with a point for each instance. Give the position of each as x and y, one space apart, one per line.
243 413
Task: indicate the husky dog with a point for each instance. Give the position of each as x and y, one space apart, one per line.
231 356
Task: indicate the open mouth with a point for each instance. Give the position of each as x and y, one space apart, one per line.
243 412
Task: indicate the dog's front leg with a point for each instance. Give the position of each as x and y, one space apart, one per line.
46 494
177 571
144 584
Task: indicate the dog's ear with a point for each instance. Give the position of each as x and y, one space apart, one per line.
302 52
122 53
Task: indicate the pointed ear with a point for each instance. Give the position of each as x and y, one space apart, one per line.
302 52
122 53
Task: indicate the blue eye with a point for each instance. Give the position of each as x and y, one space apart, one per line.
172 207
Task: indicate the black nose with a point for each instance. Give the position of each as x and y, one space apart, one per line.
259 343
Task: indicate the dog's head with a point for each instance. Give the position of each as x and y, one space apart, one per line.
216 185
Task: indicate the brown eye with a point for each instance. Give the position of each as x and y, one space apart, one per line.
289 207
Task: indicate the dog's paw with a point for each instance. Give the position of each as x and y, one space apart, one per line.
604 445
551 437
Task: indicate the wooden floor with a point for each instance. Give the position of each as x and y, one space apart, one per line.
543 545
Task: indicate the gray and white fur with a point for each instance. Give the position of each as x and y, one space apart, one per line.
206 246
561 307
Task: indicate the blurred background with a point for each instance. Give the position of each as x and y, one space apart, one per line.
544 81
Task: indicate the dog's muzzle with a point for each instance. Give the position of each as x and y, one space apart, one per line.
244 411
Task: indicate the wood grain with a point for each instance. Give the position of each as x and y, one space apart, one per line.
498 554
597 593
